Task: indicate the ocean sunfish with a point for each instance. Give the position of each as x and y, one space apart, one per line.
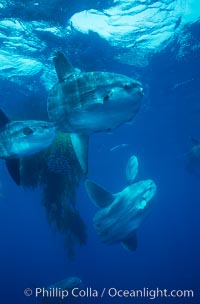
22 138
121 214
82 103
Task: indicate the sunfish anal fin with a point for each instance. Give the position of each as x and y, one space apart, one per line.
80 145
62 65
131 242
3 119
98 195
13 166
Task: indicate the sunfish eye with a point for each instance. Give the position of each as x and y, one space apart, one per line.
132 85
107 96
27 131
45 127
128 86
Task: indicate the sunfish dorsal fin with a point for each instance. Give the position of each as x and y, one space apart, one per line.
13 166
3 119
62 65
131 242
98 195
80 145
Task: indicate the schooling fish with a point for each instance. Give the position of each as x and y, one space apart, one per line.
82 103
22 138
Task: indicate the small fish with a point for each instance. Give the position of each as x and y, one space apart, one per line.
22 138
132 169
118 147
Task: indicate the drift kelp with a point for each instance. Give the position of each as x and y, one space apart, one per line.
57 172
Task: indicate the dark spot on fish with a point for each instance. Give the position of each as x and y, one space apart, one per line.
107 96
131 85
27 131
128 86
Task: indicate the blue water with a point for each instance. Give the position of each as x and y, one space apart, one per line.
167 257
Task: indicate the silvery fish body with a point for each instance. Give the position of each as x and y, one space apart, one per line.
23 138
122 213
132 169
87 102
94 101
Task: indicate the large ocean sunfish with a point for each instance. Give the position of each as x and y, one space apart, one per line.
121 214
82 103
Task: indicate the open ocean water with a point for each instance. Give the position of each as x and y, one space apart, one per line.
157 43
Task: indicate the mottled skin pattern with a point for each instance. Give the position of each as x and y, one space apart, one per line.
93 101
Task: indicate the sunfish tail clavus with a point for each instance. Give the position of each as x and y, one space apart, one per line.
22 138
82 103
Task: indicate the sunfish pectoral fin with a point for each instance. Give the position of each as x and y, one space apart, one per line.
98 195
62 65
13 166
131 242
80 145
3 119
